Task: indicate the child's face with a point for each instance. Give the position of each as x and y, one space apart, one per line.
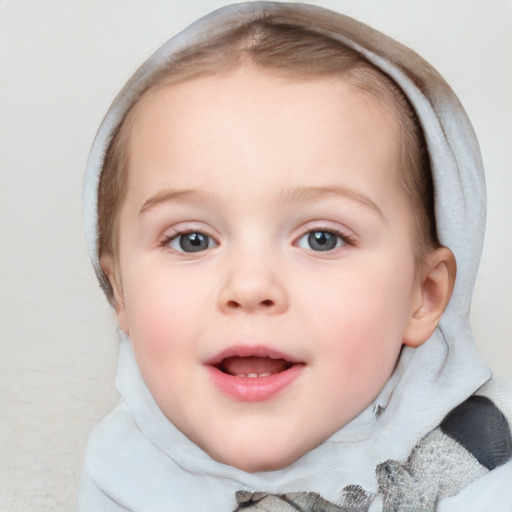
267 278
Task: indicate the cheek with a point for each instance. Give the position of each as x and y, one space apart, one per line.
163 330
160 312
359 335
363 313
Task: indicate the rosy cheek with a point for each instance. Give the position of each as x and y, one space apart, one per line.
148 323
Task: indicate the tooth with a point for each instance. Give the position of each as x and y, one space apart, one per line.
253 375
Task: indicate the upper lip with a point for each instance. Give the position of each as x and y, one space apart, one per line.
250 351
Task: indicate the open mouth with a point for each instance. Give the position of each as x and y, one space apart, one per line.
253 373
253 367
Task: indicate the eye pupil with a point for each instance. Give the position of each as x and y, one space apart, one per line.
322 240
194 242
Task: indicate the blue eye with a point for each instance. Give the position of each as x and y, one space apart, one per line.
194 241
321 240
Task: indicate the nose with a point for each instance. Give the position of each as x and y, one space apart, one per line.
253 286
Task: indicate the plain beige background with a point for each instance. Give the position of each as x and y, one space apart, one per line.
61 63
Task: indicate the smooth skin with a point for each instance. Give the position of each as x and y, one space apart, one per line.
265 212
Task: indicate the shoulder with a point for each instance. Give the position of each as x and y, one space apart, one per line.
113 462
469 454
499 391
105 438
116 446
482 428
490 492
125 471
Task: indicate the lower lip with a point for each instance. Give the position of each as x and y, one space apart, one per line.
256 389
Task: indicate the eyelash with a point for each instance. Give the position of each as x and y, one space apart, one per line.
166 242
345 239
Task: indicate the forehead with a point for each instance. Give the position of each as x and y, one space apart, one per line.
260 123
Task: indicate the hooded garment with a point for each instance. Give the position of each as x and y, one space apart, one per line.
401 453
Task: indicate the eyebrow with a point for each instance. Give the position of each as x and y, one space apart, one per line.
300 194
166 196
293 195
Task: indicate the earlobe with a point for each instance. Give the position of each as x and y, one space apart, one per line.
435 288
110 269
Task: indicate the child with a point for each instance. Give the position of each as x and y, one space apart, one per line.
259 206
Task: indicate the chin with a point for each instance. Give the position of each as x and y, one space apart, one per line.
257 460
258 464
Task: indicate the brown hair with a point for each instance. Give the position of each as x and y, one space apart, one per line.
289 51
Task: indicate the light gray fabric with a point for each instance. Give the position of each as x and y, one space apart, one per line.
137 460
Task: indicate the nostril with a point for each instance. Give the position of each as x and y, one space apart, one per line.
233 304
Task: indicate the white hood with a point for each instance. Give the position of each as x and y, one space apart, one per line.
428 382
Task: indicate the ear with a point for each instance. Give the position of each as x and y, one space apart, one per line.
111 270
433 291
